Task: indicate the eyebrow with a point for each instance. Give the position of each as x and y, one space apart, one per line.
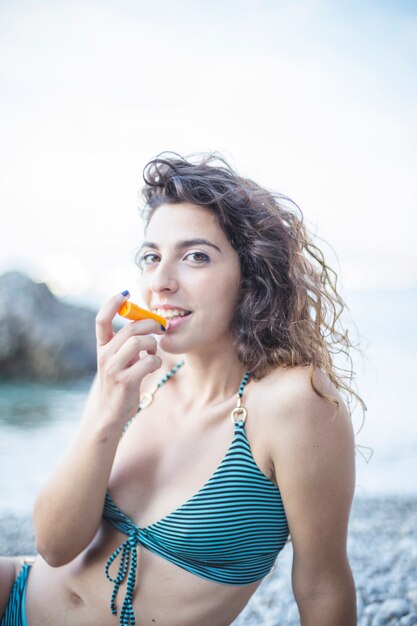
182 244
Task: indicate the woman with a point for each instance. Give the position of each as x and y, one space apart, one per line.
174 518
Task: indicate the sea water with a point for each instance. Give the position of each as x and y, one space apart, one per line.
38 421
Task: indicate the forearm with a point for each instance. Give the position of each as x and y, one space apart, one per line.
68 510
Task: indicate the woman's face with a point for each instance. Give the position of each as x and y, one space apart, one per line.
188 264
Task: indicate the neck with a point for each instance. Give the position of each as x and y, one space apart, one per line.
205 380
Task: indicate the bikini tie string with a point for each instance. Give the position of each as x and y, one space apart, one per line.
127 565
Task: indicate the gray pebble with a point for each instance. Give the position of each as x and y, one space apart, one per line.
379 620
409 620
394 608
412 593
360 605
293 615
371 609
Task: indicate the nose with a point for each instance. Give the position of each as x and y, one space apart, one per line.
163 278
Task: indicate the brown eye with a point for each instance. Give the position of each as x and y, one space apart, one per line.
146 259
201 257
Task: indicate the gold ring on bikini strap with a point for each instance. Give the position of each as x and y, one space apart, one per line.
238 414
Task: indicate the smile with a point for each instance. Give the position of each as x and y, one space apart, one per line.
172 314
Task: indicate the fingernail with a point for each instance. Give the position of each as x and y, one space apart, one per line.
125 293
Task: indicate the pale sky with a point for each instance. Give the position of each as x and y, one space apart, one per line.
315 99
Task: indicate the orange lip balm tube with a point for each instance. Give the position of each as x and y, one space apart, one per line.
132 311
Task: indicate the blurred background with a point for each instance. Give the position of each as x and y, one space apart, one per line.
311 98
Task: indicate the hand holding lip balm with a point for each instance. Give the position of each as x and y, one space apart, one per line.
132 311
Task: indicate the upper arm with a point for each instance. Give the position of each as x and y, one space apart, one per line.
312 450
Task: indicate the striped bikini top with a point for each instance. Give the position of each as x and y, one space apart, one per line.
230 531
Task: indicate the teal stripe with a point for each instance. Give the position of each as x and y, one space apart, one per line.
15 613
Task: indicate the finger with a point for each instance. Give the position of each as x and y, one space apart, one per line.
105 316
140 328
130 351
150 363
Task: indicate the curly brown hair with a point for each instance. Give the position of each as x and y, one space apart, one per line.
289 310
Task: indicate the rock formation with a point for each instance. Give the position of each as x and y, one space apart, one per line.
41 337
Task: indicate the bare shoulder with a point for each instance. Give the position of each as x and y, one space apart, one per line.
295 396
305 424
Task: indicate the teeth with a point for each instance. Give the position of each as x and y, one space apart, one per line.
168 313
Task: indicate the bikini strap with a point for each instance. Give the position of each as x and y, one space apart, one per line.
239 413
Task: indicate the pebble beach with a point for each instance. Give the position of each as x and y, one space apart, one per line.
382 549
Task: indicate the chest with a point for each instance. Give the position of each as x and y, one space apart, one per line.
167 459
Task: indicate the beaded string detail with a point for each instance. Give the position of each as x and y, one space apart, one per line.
127 552
147 397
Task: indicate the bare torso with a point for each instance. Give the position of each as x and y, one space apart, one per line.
167 455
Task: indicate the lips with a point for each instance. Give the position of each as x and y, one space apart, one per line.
175 322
